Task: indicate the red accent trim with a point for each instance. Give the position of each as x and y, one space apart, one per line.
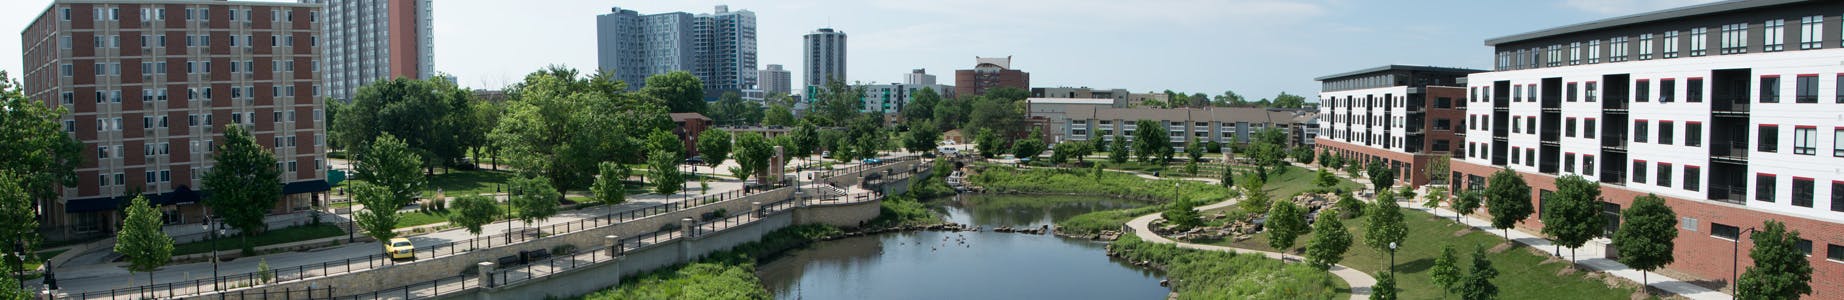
1694 78
1590 81
1809 75
1569 153
1805 127
1693 167
1642 80
1693 122
1589 118
1761 173
1805 178
1770 76
1664 164
1639 160
1639 120
1770 125
1571 82
1661 122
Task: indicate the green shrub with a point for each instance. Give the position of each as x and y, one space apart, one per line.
1198 274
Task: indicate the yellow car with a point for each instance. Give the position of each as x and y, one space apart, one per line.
400 248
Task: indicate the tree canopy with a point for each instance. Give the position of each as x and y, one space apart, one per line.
40 159
714 146
533 199
473 212
1150 140
1648 238
1329 241
1572 215
560 126
1780 271
1509 199
379 217
141 241
389 163
244 183
682 92
433 117
1384 224
1286 222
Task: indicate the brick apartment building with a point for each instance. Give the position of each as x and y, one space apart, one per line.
1402 116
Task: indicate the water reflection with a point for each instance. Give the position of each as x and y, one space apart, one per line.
968 265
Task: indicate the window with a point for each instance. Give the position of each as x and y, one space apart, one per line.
1645 46
64 14
1805 140
1837 142
1618 51
1588 128
1592 91
1639 171
1571 92
1516 159
1587 165
1569 128
1840 85
1735 38
1664 174
1764 186
1666 131
1834 252
1693 134
1594 51
1530 125
65 69
1555 55
1575 53
1667 90
1693 178
1802 191
1775 36
1568 163
1693 90
1530 156
1769 138
1671 44
1805 88
1642 91
1724 231
1811 32
1641 130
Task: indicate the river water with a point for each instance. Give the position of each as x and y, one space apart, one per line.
968 265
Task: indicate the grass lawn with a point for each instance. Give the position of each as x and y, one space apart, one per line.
1522 274
1296 180
457 182
34 262
272 237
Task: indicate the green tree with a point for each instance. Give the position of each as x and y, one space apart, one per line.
1193 150
836 103
1780 271
433 118
663 172
731 110
1438 169
1118 151
1325 179
1446 270
922 105
1228 178
1183 214
1150 140
1268 147
1286 222
1230 98
1254 196
988 143
1478 283
533 199
1509 198
560 126
1384 224
714 146
1329 242
1381 177
682 92
662 140
1572 216
1348 206
473 212
244 183
389 163
1646 241
778 115
806 138
1285 100
40 160
922 136
1028 148
1385 288
1213 147
1061 153
140 241
608 188
379 216
1466 203
753 153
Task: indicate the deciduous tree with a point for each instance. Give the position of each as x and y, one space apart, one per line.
474 212
140 241
380 214
39 156
244 183
433 118
1286 221
533 200
663 172
1781 270
392 165
1647 239
1028 148
1150 140
754 152
714 146
1446 270
560 126
1478 283
1118 152
1466 203
1572 215
1384 224
609 189
1329 241
1385 288
1509 198
682 92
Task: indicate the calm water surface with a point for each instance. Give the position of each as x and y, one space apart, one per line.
968 265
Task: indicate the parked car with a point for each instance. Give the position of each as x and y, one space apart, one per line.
400 248
873 161
826 154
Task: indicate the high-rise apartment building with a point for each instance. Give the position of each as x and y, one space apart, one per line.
719 48
1402 116
988 73
1718 108
150 87
918 76
775 80
370 40
891 98
825 57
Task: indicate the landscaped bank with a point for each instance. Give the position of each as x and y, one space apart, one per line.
1198 274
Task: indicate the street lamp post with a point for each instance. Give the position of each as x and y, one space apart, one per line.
1175 197
213 233
509 215
1735 261
1392 259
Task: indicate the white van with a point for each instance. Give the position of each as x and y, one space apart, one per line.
948 150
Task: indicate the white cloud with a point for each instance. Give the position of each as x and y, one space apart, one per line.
1616 7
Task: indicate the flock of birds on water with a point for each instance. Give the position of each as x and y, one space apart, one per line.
959 239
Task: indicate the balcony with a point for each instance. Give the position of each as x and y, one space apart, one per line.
1734 151
1614 141
1731 194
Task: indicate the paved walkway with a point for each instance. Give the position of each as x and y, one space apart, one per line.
1360 282
1593 253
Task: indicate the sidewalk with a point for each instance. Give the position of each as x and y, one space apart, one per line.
1592 255
1360 282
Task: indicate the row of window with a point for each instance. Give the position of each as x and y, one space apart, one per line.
192 67
192 14
1766 188
1833 252
1693 175
1733 40
1667 132
1805 140
1805 90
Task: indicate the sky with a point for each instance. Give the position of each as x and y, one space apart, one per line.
1257 48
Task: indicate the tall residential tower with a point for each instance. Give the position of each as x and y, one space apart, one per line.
775 80
825 57
719 48
369 40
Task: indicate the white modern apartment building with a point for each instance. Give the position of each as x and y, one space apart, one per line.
369 40
1400 116
1725 109
891 98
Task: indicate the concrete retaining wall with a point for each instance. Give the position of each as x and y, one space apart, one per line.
587 280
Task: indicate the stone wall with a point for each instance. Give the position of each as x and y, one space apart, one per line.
848 215
582 281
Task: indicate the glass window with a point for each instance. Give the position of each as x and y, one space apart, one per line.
1805 140
1724 231
1693 90
1671 44
1764 186
1693 178
1642 91
1770 89
1664 174
1837 142
1693 134
1769 138
1587 165
1569 127
1568 163
1802 192
1639 171
1594 51
1735 38
1667 90
1666 132
1588 128
1571 92
1837 196
1645 46
1641 130
1811 32
1805 88
1699 41
1618 52
1775 36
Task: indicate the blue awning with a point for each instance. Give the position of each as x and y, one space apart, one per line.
310 186
181 195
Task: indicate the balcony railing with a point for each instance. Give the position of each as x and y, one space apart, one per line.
1729 194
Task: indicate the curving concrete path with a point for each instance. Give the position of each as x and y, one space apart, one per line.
1360 282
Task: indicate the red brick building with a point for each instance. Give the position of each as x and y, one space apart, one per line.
1401 116
990 73
689 126
150 87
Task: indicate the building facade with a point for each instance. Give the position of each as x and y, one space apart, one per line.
1119 95
1401 116
1055 112
185 70
1217 124
890 99
989 73
368 40
774 79
919 76
719 48
825 57
1718 108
